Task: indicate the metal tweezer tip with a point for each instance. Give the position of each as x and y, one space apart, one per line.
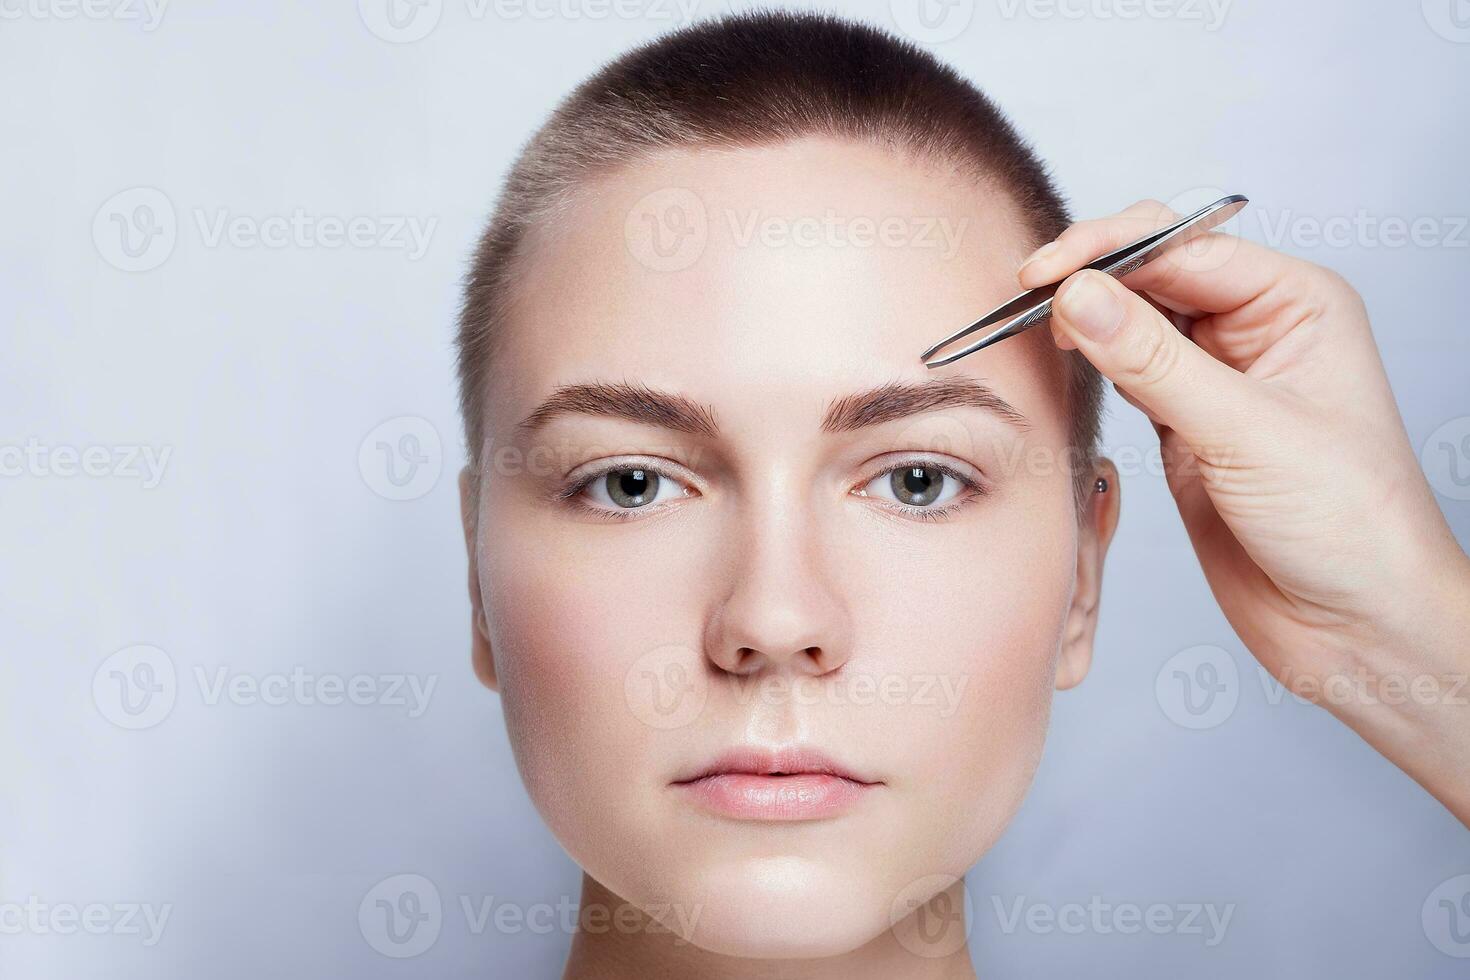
984 342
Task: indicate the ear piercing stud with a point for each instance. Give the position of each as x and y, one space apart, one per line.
1101 486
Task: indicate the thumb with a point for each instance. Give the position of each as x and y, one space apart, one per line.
1140 351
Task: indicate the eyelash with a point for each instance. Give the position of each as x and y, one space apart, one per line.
972 489
572 493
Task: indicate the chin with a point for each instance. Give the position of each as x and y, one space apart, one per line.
781 907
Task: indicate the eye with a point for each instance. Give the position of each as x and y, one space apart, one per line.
625 488
921 485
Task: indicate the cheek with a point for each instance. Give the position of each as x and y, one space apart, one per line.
574 623
978 617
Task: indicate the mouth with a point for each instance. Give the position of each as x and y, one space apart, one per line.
793 783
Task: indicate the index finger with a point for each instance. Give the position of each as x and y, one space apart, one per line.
1215 273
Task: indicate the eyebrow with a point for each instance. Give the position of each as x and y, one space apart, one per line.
636 403
899 399
875 406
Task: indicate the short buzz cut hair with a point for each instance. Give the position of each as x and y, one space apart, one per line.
758 79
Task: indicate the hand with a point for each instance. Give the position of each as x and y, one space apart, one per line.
1293 474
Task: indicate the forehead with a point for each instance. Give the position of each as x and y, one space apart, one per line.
765 281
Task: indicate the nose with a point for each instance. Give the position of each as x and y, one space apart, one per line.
783 606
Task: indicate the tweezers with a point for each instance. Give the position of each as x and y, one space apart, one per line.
1034 306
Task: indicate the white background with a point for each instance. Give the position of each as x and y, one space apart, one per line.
270 543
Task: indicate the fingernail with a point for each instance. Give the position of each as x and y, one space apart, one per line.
1041 253
1092 307
1049 248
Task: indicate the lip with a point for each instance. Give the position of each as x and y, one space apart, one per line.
790 783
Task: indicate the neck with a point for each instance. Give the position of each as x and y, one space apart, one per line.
610 945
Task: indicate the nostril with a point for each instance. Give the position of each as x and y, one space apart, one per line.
818 658
746 660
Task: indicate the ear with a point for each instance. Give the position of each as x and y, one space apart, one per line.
1099 520
479 629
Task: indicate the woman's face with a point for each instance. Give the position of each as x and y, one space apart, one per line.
808 542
